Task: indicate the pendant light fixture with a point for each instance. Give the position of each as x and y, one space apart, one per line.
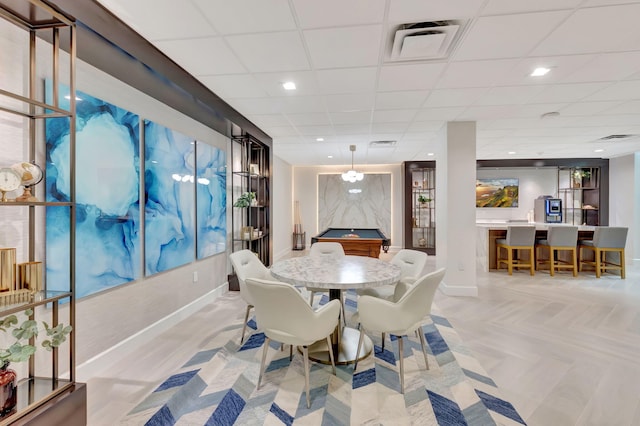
352 175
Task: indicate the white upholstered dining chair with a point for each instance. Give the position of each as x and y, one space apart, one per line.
402 317
606 239
325 248
247 265
297 325
411 263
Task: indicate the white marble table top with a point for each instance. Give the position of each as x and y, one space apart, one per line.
339 273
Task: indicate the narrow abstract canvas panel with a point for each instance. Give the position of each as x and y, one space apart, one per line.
170 198
107 195
211 200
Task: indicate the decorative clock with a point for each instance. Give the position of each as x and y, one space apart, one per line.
10 180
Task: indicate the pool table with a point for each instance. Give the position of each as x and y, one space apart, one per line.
356 241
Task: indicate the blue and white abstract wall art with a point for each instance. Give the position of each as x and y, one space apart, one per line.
211 200
108 247
169 198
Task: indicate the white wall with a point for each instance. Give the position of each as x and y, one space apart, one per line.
282 208
306 191
624 195
533 183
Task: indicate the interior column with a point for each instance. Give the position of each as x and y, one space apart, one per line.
455 209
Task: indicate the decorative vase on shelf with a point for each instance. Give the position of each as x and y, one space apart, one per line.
8 390
422 242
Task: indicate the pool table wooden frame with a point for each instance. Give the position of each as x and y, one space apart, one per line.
357 246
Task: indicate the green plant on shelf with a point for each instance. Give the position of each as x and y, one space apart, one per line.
245 199
19 351
423 200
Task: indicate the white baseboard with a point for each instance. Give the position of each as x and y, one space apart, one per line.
458 290
92 367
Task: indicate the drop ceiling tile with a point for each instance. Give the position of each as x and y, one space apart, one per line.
509 95
392 128
268 52
568 92
351 129
344 47
561 66
409 77
334 13
453 97
359 117
399 100
300 104
251 106
536 110
587 108
277 131
407 11
310 119
349 102
622 91
488 112
476 73
630 107
166 22
605 67
306 83
188 54
233 86
425 126
247 16
394 115
512 36
503 7
324 131
446 113
352 80
582 33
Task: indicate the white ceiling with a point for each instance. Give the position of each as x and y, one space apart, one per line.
350 92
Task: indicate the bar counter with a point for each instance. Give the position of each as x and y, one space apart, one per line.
488 232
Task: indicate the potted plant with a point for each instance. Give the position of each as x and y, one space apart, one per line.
21 350
423 200
245 200
578 175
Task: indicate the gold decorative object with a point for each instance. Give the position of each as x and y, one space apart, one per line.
29 276
7 269
14 297
247 232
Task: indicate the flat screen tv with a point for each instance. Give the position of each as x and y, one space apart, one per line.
497 192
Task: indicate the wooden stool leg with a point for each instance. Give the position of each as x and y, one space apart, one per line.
552 262
575 266
532 261
598 262
510 261
622 271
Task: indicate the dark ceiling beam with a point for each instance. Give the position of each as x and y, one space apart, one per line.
108 44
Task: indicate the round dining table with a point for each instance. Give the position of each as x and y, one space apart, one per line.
336 274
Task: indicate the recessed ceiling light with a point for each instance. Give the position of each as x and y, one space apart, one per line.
539 72
598 150
511 152
329 156
289 85
319 139
430 154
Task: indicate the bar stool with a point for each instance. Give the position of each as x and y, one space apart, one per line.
559 238
518 238
605 239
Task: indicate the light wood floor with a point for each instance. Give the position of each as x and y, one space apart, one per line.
563 350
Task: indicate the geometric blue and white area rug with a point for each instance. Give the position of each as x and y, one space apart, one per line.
217 386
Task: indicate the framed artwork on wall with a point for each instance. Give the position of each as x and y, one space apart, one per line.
211 200
497 192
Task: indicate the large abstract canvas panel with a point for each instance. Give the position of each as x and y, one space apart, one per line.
211 200
363 204
107 165
169 213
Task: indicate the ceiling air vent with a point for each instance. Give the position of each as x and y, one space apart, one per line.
616 137
423 40
382 144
